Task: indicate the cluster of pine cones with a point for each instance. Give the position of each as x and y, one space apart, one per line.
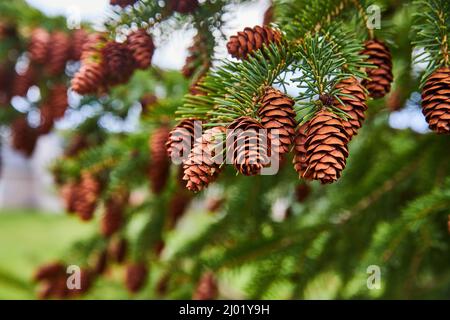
107 62
48 55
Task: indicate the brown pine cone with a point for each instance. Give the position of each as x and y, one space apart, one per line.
395 101
302 192
39 45
58 53
142 48
7 30
277 114
299 160
135 276
79 38
355 106
58 100
89 79
99 262
89 190
7 73
326 147
122 3
69 195
268 15
252 39
201 168
86 280
23 82
117 250
206 288
183 6
436 100
91 50
181 140
24 137
159 162
47 119
112 218
147 101
198 57
49 271
380 77
177 207
118 61
247 145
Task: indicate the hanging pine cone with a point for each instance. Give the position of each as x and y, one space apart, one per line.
122 3
183 6
79 38
38 46
47 119
135 276
141 46
395 100
49 271
326 147
58 53
89 190
112 218
181 140
24 137
206 288
198 57
118 61
91 50
117 250
299 160
160 164
247 145
268 15
22 82
99 262
86 280
201 168
252 39
380 77
302 192
354 104
177 207
89 79
276 113
69 195
436 101
58 100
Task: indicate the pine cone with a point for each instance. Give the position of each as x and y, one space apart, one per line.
118 61
252 39
7 73
206 288
69 195
276 113
122 3
198 57
183 6
91 49
177 207
299 160
147 102
268 15
200 168
160 164
86 280
89 190
436 101
326 147
354 106
381 76
47 119
49 271
99 262
58 53
39 45
8 30
112 219
79 38
395 100
24 137
23 82
89 79
247 144
181 139
135 276
302 192
117 250
140 43
58 100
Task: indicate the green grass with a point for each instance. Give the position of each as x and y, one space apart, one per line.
28 239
